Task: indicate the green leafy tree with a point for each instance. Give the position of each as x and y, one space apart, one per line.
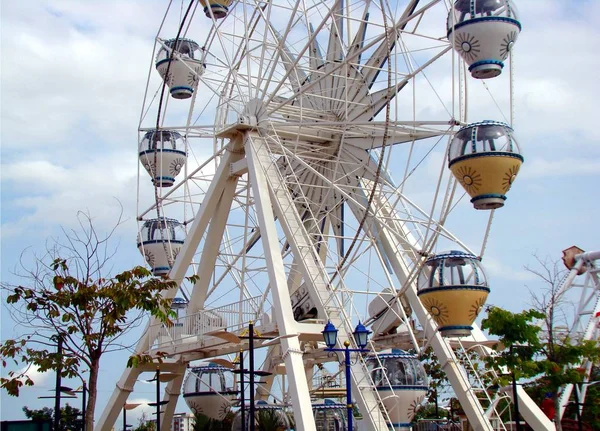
68 295
204 423
70 417
270 420
428 411
43 414
437 381
144 424
552 361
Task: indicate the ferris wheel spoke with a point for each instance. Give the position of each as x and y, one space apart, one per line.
374 64
336 34
296 75
359 38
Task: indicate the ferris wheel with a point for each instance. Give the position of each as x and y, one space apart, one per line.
312 161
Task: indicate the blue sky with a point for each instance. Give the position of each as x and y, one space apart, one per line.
72 82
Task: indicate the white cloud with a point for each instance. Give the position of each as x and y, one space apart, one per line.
498 269
572 167
34 373
73 78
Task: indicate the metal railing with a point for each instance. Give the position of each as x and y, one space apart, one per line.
231 317
436 425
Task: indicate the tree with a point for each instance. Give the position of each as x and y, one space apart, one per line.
68 296
144 424
204 423
437 380
551 361
70 417
558 311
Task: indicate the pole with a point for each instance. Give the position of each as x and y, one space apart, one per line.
348 387
437 411
157 398
58 384
83 404
242 395
251 372
515 396
124 418
579 425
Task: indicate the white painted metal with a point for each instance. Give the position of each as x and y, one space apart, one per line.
586 322
292 355
308 133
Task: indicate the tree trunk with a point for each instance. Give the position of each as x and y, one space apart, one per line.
93 394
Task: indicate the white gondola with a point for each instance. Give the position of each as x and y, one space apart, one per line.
162 153
483 32
401 382
331 416
183 72
208 390
159 241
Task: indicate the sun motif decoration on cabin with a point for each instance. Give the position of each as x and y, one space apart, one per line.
414 407
507 44
193 78
467 46
510 177
476 308
469 178
149 256
176 165
437 309
148 165
168 78
221 411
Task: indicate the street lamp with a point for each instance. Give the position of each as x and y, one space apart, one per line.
578 405
158 377
126 407
361 337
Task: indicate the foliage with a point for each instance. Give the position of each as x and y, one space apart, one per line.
70 417
519 341
270 420
67 295
204 423
427 411
437 378
144 424
550 362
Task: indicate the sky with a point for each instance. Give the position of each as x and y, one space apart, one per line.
73 75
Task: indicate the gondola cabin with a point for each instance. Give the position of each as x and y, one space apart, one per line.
485 159
162 153
331 416
159 241
453 288
483 32
216 8
179 64
208 390
401 382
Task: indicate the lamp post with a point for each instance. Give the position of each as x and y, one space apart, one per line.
164 377
126 407
361 337
515 394
578 405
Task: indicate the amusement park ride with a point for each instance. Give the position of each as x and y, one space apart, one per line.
315 195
